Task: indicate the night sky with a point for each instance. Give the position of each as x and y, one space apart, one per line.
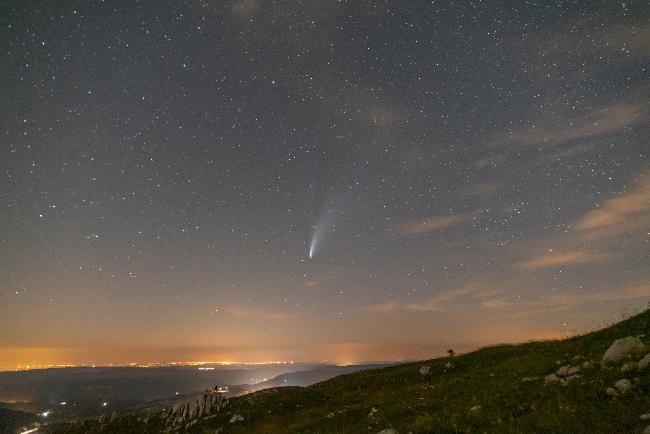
337 181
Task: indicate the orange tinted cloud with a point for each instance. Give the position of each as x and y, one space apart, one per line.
247 313
433 304
633 292
551 259
428 225
384 307
627 209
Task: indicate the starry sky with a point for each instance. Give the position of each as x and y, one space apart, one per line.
338 181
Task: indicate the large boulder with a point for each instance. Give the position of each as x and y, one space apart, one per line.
623 348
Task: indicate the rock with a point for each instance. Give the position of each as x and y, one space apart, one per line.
552 378
567 371
563 371
373 411
610 391
425 370
563 375
475 408
571 378
644 362
587 364
331 415
529 379
388 431
236 418
624 385
449 365
645 416
646 430
628 366
622 348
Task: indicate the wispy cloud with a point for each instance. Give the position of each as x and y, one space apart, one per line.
430 224
389 306
566 301
628 210
249 313
558 259
598 122
595 236
438 302
632 292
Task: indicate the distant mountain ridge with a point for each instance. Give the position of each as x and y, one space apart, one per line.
311 376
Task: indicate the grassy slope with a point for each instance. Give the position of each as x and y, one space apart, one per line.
441 401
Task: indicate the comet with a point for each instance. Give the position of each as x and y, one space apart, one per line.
315 241
320 229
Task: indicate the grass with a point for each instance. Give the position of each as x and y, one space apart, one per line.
442 401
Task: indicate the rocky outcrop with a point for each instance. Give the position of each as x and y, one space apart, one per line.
204 405
563 375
